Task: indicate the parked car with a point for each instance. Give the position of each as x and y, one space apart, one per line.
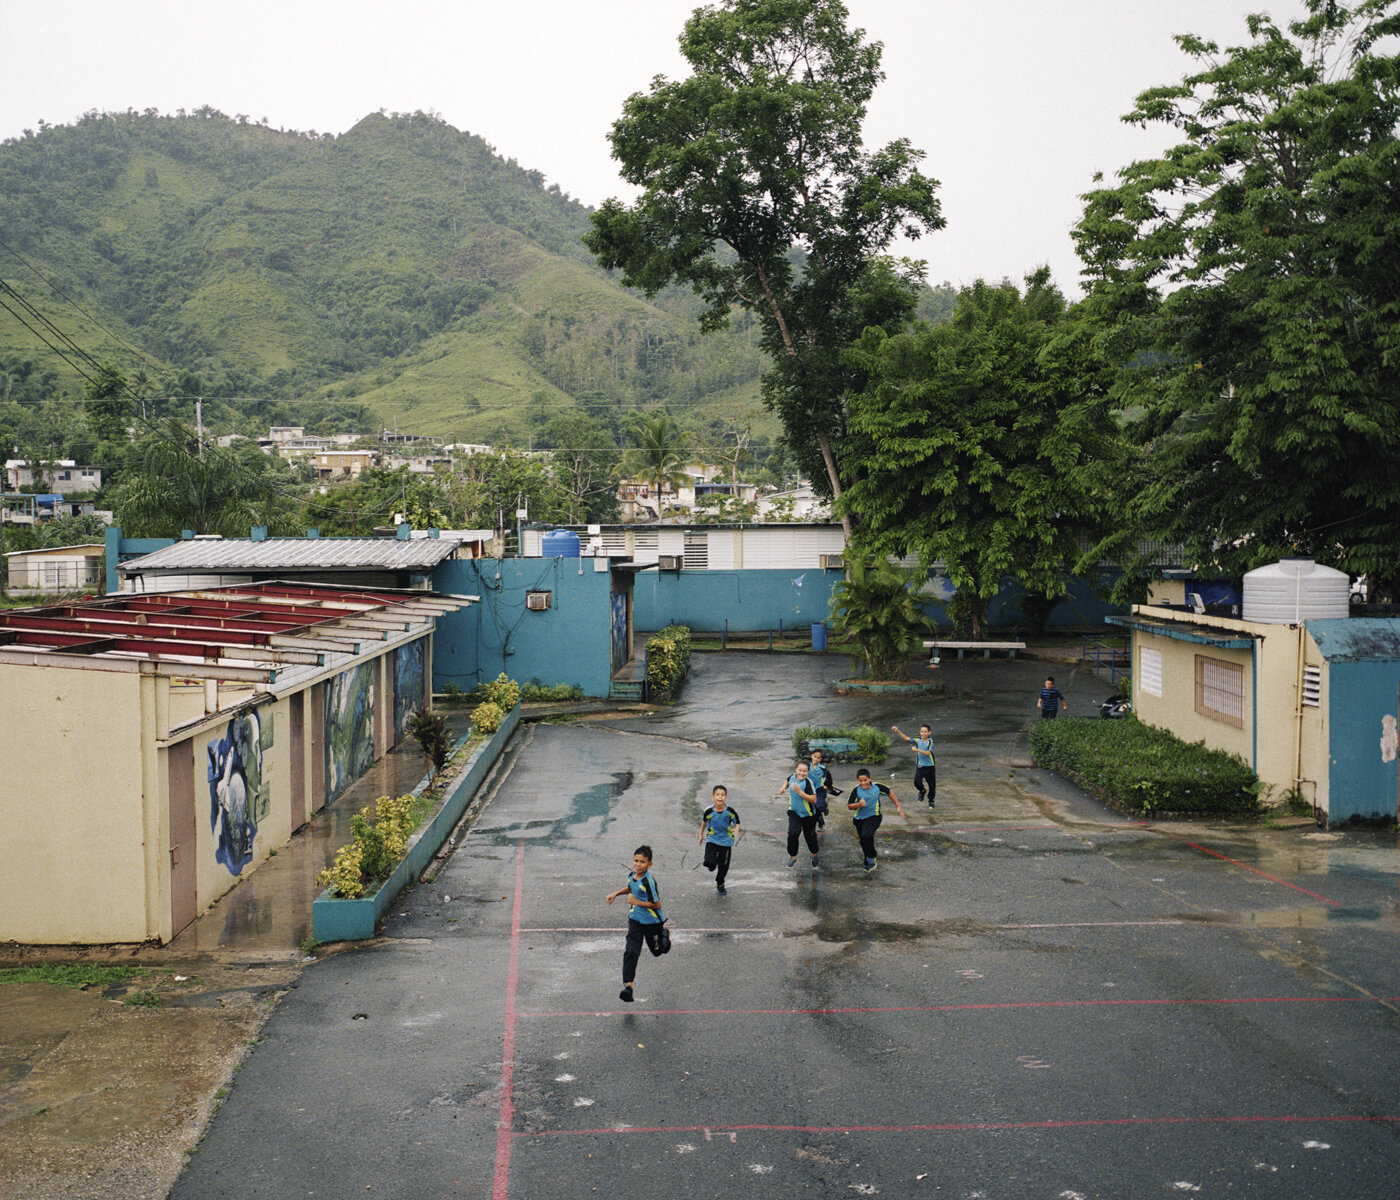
1116 706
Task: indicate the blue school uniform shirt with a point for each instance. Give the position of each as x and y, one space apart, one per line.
1050 699
818 776
923 752
638 888
798 800
872 796
720 826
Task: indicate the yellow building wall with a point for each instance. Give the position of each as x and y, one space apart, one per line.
1274 727
71 813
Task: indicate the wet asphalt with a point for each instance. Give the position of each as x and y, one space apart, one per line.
1033 996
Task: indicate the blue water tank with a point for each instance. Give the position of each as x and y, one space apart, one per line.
559 543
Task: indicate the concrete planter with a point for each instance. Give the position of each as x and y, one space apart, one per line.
871 687
337 919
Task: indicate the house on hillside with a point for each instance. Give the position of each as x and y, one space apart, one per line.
337 463
637 500
1305 693
62 475
55 569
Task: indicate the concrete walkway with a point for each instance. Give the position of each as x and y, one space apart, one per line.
1032 997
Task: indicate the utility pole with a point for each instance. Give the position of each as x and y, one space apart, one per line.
199 424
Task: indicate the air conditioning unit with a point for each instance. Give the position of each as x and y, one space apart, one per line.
537 601
670 562
833 562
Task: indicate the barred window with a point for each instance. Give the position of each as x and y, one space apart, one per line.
1220 690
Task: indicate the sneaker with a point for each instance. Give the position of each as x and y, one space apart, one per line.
816 866
792 861
625 995
721 889
870 867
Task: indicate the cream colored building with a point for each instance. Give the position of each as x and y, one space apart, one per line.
1311 704
55 569
157 747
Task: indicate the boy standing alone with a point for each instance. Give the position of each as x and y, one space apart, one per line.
719 828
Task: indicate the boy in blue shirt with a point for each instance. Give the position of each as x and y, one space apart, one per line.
925 773
719 828
802 812
1050 699
867 812
644 916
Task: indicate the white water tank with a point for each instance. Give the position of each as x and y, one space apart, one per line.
1294 590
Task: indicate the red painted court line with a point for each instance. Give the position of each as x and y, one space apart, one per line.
1272 878
979 1126
770 932
507 1117
988 1007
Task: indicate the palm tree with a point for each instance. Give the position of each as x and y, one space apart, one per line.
656 454
878 607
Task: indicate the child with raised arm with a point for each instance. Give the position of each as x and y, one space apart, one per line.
802 812
925 773
644 916
719 829
866 805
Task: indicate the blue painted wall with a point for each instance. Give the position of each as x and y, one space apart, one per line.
570 642
121 549
759 599
1361 784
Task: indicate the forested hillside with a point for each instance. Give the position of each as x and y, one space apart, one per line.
401 272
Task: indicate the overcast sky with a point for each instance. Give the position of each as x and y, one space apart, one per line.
1016 103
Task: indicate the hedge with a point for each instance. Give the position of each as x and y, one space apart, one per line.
1145 770
668 661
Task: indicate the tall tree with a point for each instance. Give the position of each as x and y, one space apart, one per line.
657 454
989 444
108 403
1247 277
757 193
585 465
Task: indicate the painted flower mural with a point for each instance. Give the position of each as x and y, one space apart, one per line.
238 797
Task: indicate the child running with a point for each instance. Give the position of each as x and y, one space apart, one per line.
802 812
925 773
866 814
719 829
644 916
825 783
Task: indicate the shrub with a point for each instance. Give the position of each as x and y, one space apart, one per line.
452 694
381 836
503 692
872 746
429 730
1143 769
535 691
668 660
487 718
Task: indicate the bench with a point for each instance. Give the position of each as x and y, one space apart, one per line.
985 647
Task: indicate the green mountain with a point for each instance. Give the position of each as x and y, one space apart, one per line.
401 272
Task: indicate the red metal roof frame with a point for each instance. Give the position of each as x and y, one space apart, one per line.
214 624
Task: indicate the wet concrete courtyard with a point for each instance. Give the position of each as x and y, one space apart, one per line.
1032 997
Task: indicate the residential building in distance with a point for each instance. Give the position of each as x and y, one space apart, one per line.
55 569
62 475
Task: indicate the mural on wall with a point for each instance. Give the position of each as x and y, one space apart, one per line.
408 683
239 796
619 630
349 727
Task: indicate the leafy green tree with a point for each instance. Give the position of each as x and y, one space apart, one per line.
757 192
657 454
1247 279
586 460
878 606
989 443
178 487
108 404
491 487
357 508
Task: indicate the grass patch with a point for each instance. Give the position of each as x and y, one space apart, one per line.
872 746
70 975
1144 770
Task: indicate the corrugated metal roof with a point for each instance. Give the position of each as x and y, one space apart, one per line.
1356 639
295 554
